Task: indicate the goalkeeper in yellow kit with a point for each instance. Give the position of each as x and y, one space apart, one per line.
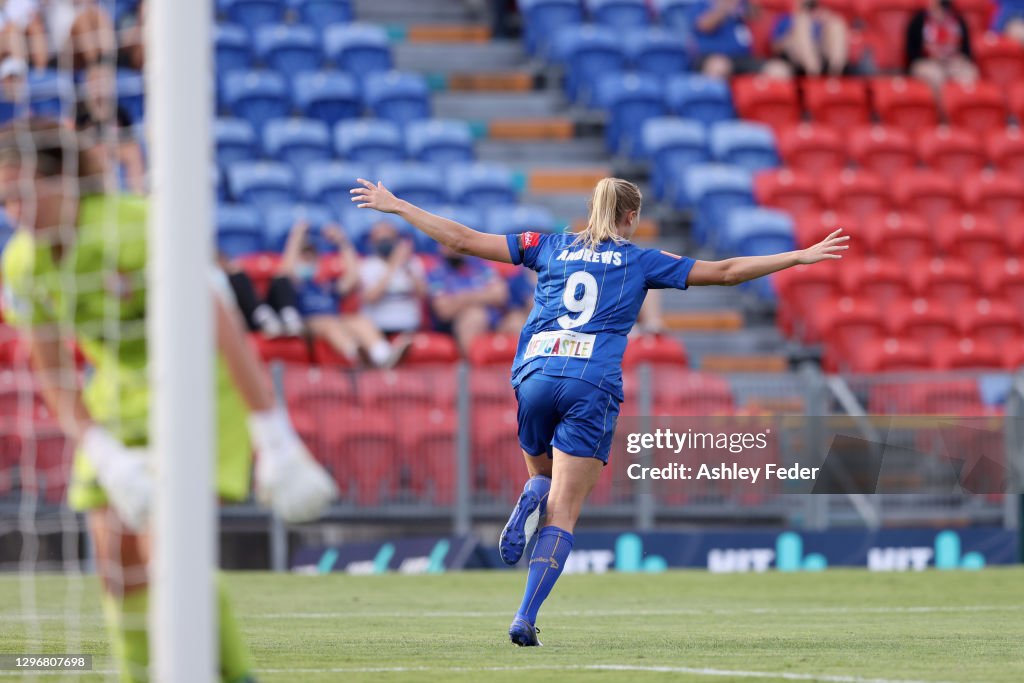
76 270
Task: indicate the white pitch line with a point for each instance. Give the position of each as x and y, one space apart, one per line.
693 671
643 613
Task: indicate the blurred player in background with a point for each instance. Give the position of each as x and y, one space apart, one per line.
75 272
567 373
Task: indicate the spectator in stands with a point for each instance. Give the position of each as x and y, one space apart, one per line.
13 71
320 300
103 121
22 33
275 315
521 287
722 38
939 46
1009 19
394 283
466 296
131 44
810 41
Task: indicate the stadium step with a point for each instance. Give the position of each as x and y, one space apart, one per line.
448 33
715 320
525 130
560 180
415 12
768 362
549 152
462 57
488 106
491 81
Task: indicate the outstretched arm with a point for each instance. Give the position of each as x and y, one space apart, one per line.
736 270
455 236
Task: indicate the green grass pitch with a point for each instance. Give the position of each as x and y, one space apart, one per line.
838 626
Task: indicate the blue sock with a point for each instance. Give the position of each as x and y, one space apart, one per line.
540 485
546 563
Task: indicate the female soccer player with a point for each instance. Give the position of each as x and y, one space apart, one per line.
567 373
75 270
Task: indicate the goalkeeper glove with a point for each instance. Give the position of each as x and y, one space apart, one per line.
124 474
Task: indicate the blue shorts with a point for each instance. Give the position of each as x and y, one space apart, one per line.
570 414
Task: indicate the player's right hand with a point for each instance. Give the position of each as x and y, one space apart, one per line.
125 475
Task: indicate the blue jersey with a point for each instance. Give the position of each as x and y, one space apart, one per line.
585 304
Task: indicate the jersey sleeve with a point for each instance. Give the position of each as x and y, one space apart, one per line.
664 270
525 248
23 303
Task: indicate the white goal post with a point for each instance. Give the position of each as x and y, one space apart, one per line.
181 339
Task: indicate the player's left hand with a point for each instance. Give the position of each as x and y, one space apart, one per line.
825 249
371 196
288 479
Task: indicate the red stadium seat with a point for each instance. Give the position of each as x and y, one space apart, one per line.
363 455
803 293
493 349
902 236
965 353
886 150
944 397
1005 148
1013 355
489 385
261 269
1013 231
887 19
951 281
860 193
768 100
998 194
850 322
324 354
978 15
284 349
789 190
953 151
990 320
1015 99
684 392
497 457
841 102
974 237
431 348
976 106
811 228
904 102
315 396
1000 59
406 391
930 194
427 455
921 320
655 349
812 148
880 280
1003 277
889 355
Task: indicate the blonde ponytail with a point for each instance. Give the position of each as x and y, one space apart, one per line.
613 199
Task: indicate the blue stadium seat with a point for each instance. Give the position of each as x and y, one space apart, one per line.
415 182
131 93
297 141
672 145
542 19
358 48
675 14
619 14
755 231
482 185
399 97
288 49
239 230
700 97
233 51
256 96
746 144
322 13
504 220
656 51
713 190
369 141
235 141
50 93
588 53
281 219
439 141
329 182
631 99
219 188
327 95
261 184
253 13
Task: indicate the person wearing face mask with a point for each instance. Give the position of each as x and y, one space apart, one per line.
319 299
393 283
466 296
939 46
811 41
